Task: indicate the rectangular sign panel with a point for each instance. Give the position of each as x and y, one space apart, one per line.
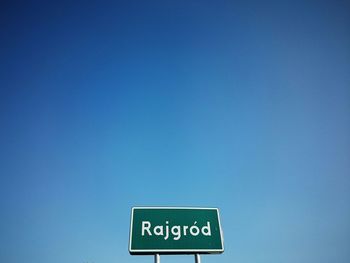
175 230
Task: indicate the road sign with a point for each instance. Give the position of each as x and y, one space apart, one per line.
175 230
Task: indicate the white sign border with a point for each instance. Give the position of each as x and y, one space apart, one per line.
175 251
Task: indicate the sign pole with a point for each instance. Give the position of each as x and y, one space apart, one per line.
197 258
156 258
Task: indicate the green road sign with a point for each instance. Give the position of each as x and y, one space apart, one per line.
175 230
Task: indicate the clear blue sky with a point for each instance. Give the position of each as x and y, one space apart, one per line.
241 105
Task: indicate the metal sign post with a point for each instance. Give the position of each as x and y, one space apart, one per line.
197 258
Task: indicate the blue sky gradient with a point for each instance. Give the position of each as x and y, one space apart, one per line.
241 105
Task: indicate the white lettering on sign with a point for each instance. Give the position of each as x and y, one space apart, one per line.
145 227
175 231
